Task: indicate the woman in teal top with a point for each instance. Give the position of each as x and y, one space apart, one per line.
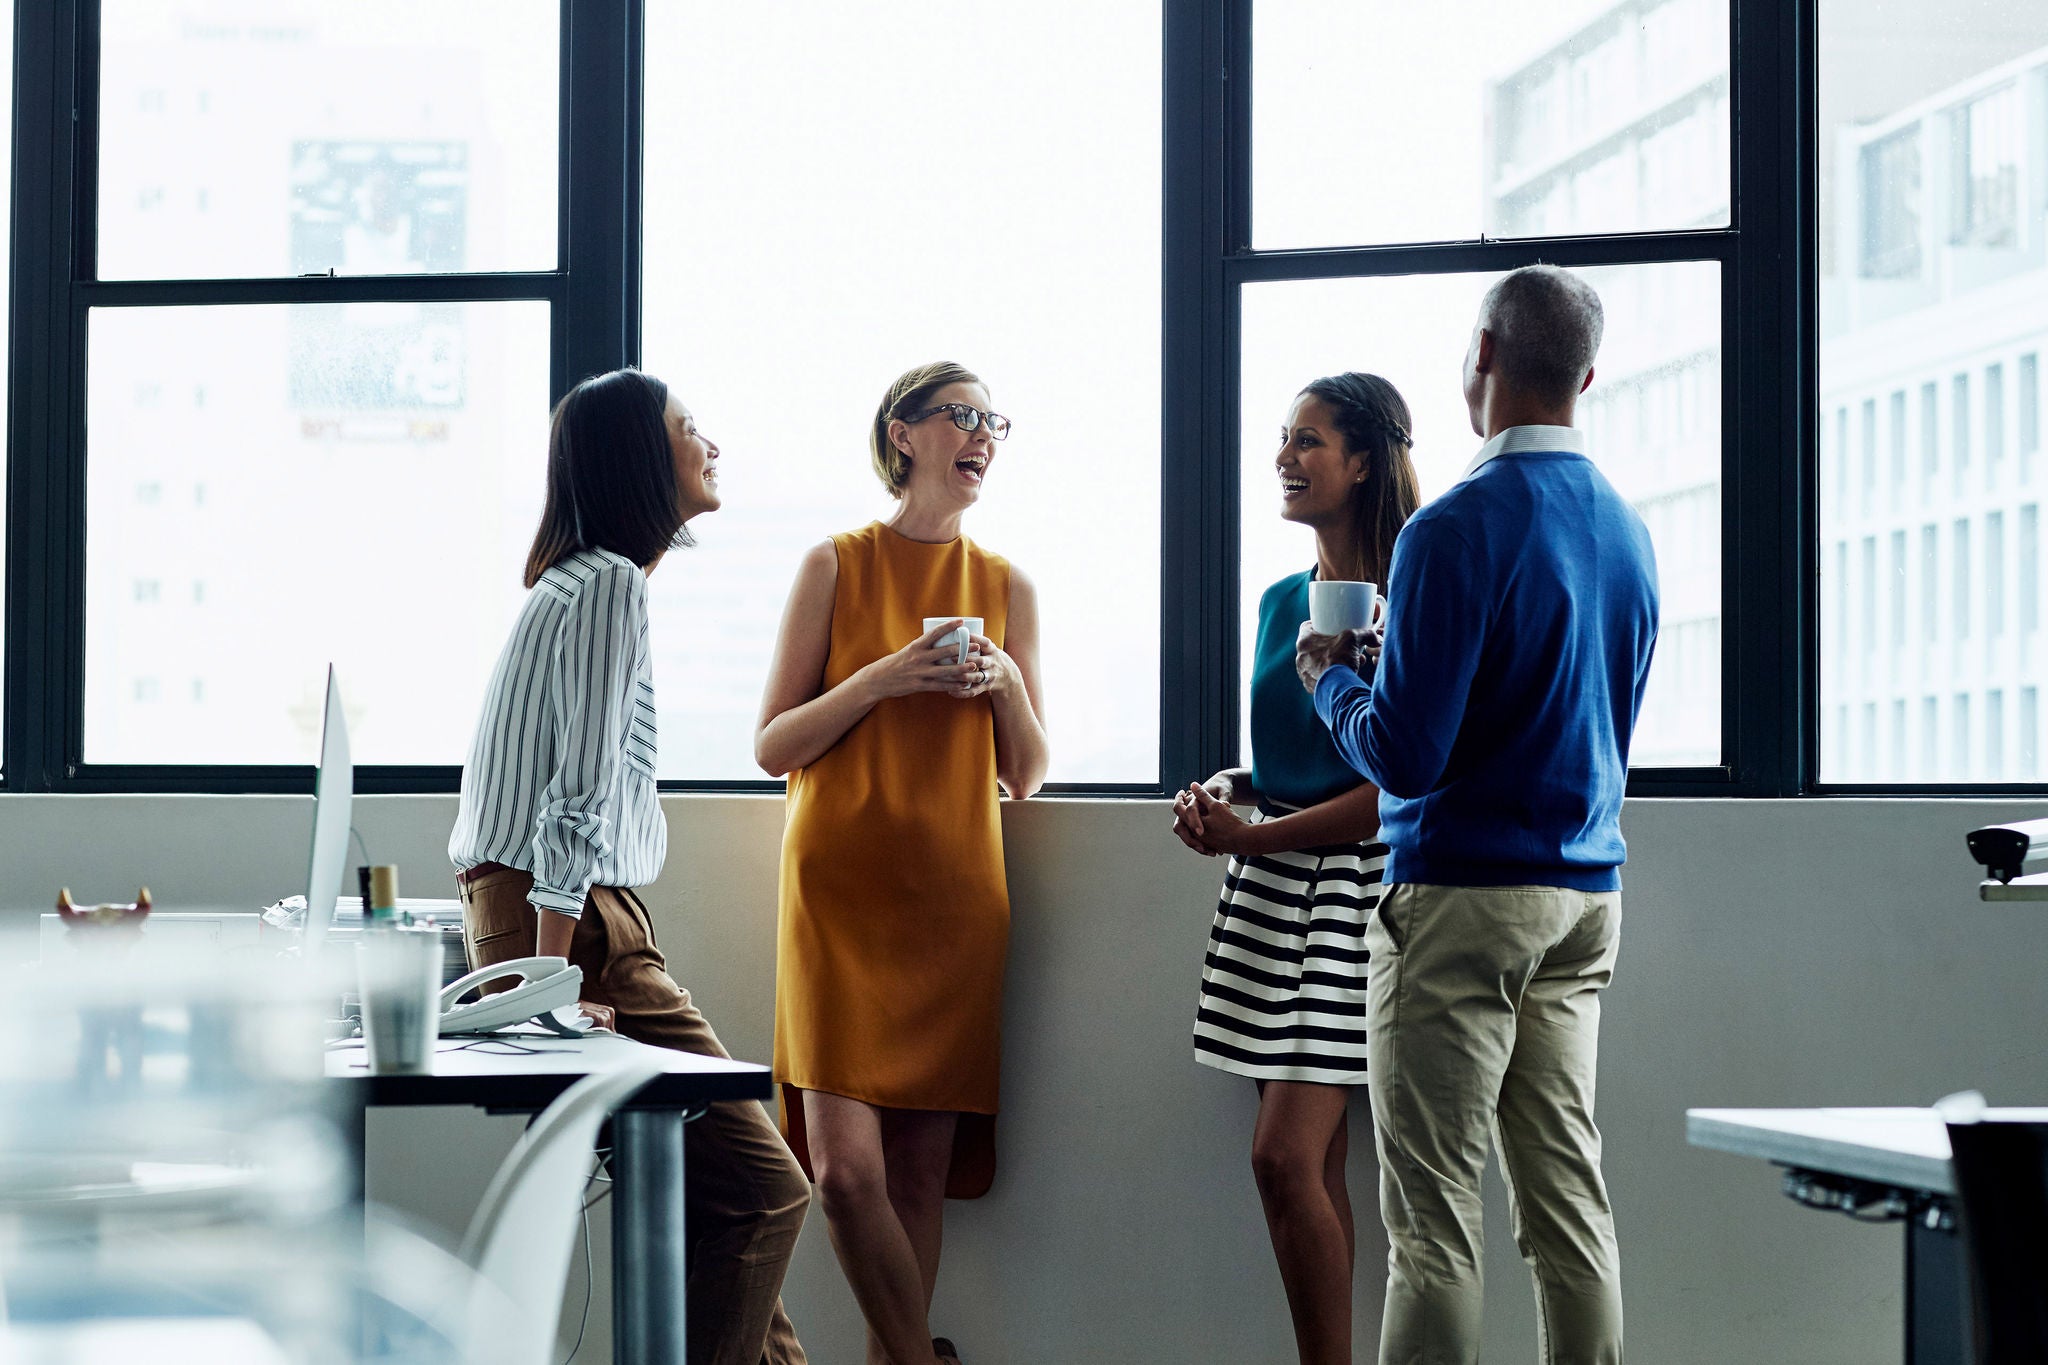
1283 985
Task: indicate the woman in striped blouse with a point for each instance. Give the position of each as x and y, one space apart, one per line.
560 820
1283 989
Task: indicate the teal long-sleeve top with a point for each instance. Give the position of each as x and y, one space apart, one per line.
1294 760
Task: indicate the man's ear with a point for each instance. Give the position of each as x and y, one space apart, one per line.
1482 353
1589 382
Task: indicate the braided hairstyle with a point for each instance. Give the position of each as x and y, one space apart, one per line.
912 390
1373 419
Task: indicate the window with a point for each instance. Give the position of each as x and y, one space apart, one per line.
1959 440
355 428
1994 575
2030 734
1889 205
1922 202
1989 144
1994 423
365 137
353 439
1652 420
512 194
1930 434
2029 413
1896 429
948 238
1614 120
1960 608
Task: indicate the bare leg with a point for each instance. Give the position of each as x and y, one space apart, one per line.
1340 1191
917 1145
1299 1123
874 1249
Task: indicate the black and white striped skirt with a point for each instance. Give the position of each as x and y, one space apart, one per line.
1283 984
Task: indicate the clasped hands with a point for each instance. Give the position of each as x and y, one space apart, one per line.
1204 821
925 665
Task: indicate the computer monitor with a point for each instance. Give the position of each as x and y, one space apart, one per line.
333 789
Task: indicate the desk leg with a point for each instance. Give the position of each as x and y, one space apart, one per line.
650 1262
1937 1293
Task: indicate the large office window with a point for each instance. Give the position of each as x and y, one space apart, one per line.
276 485
979 185
1652 420
1504 123
1928 252
1406 123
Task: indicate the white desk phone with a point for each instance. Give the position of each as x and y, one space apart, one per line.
546 984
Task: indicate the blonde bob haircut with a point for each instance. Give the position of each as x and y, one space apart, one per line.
912 392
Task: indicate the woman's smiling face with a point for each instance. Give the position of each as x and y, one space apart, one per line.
946 462
696 461
1317 473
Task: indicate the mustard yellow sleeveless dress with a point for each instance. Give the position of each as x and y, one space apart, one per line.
895 915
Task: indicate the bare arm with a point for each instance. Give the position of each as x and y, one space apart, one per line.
1348 817
800 720
1018 696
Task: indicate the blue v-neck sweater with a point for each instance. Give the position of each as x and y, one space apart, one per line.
1497 726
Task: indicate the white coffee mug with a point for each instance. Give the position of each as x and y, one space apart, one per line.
970 626
1337 605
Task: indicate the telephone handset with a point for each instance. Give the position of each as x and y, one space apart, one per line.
545 985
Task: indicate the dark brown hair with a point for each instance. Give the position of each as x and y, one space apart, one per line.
611 475
1373 419
912 390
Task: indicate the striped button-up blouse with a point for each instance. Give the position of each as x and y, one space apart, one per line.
560 778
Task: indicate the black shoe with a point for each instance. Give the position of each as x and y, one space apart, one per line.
944 1347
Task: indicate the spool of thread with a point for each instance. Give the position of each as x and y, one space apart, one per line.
383 892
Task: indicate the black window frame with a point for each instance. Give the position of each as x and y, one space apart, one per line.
1770 544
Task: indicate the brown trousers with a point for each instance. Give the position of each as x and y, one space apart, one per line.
744 1194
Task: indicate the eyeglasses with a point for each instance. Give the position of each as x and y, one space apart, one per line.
966 418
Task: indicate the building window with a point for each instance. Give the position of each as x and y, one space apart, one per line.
2029 571
1990 141
2030 734
1930 738
1896 429
1959 417
1960 762
1895 595
1962 579
1869 594
1890 206
1994 575
1869 454
2029 413
1930 433
1994 423
1930 577
1994 736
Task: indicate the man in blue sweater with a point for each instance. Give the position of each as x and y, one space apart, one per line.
1495 721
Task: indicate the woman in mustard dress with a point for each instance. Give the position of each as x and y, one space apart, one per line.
895 913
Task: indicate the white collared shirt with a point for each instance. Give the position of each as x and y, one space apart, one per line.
1516 439
560 778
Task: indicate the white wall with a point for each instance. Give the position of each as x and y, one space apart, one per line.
1815 952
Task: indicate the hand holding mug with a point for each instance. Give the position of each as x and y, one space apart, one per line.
1315 655
998 671
933 662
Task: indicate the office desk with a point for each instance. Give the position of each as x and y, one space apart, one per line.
649 1262
1894 1160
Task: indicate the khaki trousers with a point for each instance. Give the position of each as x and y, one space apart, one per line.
1483 1015
744 1195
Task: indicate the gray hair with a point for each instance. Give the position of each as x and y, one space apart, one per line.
1546 326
